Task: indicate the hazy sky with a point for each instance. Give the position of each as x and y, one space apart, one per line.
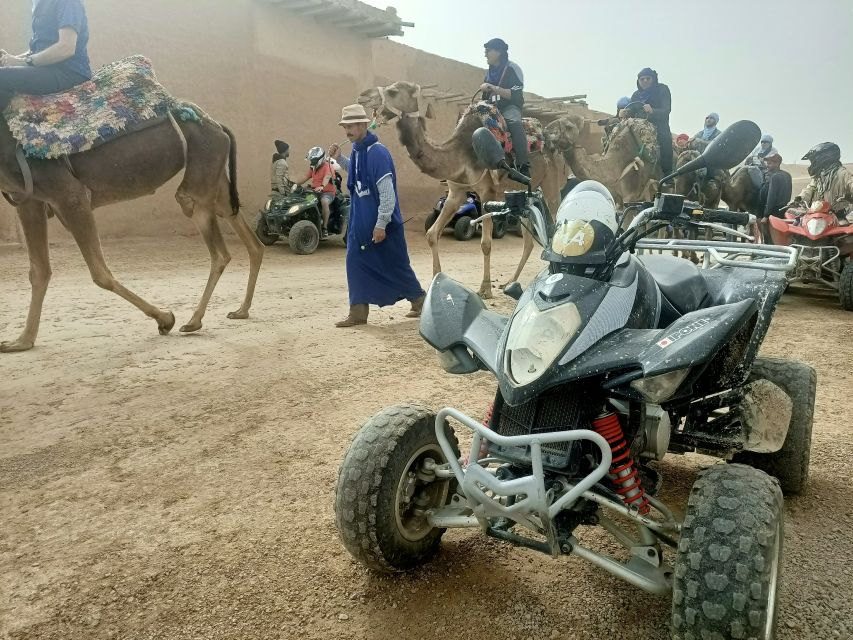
786 64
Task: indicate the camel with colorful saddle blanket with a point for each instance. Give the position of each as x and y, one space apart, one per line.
115 138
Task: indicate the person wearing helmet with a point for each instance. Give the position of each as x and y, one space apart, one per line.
321 176
657 103
831 181
503 86
585 227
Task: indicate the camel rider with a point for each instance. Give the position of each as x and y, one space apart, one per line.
709 132
503 86
765 147
657 103
610 123
279 178
57 57
831 181
321 176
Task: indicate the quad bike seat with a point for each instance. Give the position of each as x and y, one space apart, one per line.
680 282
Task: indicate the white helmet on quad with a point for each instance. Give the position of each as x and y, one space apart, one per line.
315 156
586 224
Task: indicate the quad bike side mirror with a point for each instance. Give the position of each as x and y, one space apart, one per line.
490 153
725 151
513 290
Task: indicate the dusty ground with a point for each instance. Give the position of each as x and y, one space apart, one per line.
182 487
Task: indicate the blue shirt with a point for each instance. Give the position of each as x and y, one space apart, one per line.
49 16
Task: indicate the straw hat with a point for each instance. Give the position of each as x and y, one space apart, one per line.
353 113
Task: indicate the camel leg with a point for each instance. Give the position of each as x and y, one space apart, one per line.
219 256
486 245
525 254
34 223
451 205
78 219
256 255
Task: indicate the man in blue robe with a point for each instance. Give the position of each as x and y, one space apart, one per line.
378 268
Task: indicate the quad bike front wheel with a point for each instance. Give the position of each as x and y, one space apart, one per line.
791 463
729 557
429 221
259 224
463 229
845 285
304 237
384 491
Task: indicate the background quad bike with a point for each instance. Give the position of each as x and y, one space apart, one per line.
303 227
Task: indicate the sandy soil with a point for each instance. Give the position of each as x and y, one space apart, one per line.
182 486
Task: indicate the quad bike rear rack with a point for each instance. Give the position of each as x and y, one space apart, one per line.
728 254
484 500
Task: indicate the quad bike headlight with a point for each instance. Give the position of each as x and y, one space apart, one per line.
816 226
268 205
657 389
293 209
536 338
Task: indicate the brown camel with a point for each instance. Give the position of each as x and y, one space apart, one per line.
740 192
129 167
704 189
454 160
628 173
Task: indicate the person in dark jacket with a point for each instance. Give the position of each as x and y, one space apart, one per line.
57 58
657 104
775 193
503 86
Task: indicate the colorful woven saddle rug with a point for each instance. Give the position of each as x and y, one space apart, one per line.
123 97
494 121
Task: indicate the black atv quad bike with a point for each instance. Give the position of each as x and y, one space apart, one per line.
603 368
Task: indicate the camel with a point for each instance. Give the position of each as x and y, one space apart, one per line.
628 176
698 187
123 169
454 161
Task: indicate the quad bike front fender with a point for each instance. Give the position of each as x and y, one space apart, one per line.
455 322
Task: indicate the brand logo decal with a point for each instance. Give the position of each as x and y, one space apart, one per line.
686 330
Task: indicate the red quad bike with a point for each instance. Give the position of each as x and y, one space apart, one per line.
824 244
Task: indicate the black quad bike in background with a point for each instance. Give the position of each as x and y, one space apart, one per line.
298 217
603 368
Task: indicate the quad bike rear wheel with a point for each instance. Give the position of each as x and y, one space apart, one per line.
791 463
498 228
845 285
463 229
259 224
383 492
729 557
304 237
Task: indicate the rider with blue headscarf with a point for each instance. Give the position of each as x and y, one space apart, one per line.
503 86
710 131
657 102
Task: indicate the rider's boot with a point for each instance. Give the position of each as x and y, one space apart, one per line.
357 315
417 307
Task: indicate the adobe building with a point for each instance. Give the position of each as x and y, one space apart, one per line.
268 69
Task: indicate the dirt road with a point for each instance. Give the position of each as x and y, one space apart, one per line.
182 486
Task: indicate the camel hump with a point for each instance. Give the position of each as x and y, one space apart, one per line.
123 96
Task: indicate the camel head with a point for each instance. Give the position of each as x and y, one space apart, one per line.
398 100
562 133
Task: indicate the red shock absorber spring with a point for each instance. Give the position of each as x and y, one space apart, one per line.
623 473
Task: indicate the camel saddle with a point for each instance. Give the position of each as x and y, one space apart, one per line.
123 97
494 121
